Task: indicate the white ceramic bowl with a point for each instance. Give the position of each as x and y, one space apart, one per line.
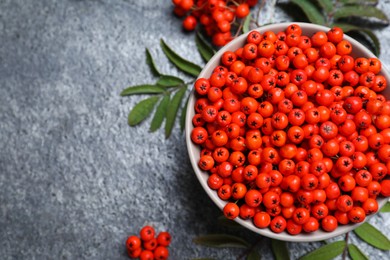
194 151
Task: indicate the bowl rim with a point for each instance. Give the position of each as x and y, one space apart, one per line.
193 149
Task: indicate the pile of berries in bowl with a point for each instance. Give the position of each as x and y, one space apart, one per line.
288 131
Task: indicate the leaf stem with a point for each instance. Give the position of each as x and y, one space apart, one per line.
249 249
344 257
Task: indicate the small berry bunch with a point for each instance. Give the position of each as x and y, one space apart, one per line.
147 246
294 131
217 16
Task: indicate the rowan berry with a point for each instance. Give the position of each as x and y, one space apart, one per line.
133 243
231 210
147 233
146 255
164 239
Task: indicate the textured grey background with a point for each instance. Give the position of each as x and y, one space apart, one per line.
75 180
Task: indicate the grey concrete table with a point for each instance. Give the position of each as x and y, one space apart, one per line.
75 180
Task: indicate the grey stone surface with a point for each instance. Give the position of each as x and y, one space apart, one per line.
75 180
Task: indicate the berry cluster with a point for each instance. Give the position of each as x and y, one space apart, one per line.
217 16
295 131
147 246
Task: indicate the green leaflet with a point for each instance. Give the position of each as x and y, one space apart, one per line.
326 252
179 62
372 236
253 255
365 32
222 220
205 50
279 248
376 44
221 241
169 81
310 10
160 113
183 115
142 110
360 11
142 89
386 208
245 27
327 5
359 2
152 65
355 253
173 107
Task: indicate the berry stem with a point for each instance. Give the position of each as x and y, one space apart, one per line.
234 2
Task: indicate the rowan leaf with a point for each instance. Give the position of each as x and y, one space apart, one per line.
205 50
359 2
221 241
326 252
151 64
181 63
222 220
365 11
279 248
372 236
326 5
160 113
172 110
183 115
386 208
253 255
375 44
247 22
142 110
142 89
169 81
311 11
375 41
355 253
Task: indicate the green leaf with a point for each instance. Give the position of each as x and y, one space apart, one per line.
355 253
169 81
376 44
360 11
386 208
142 89
359 2
327 5
142 110
221 241
326 252
172 110
253 255
205 50
160 113
180 62
372 236
245 27
222 220
152 65
183 115
365 33
310 10
279 248
203 259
